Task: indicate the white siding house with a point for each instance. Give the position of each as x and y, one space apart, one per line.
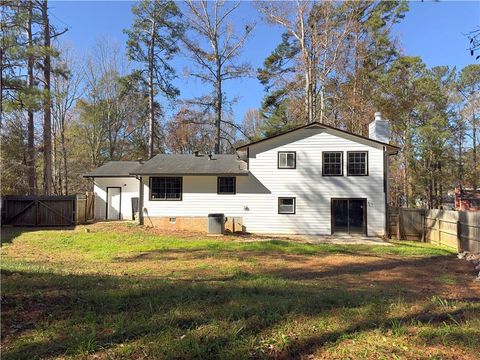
312 180
128 189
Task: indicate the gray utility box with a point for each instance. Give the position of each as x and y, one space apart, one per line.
216 223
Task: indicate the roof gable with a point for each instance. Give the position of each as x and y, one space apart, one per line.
331 129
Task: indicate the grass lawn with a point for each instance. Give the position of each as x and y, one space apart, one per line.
120 291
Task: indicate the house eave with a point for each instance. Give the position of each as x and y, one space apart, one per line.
190 174
107 176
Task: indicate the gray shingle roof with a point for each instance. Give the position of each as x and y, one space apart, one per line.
114 169
185 164
174 164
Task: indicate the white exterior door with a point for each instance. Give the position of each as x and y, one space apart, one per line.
113 203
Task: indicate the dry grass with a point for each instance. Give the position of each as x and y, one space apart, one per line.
120 291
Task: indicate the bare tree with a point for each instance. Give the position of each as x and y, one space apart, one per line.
474 40
252 123
214 48
65 91
188 131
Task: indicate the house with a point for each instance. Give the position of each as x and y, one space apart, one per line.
314 179
467 199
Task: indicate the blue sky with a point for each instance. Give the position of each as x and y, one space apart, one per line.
432 30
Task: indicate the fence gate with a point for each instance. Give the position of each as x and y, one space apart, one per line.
39 210
411 223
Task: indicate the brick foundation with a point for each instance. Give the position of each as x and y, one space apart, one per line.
192 223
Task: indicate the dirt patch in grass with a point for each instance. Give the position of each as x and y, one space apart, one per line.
418 275
129 227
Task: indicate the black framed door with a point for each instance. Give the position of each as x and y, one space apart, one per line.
349 216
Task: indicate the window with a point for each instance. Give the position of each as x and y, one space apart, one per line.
333 163
287 159
286 205
166 188
226 185
357 163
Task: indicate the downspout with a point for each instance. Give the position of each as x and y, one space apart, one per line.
140 199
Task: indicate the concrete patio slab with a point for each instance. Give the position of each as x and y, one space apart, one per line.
328 239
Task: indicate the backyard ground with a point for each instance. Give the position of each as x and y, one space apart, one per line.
115 290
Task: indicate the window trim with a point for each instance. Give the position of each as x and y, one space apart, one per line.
294 158
234 185
294 205
366 163
341 162
176 177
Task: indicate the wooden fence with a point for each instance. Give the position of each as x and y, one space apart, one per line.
85 207
457 229
47 210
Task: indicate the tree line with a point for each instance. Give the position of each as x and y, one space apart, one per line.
336 63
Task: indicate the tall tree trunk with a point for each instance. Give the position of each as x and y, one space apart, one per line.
1 85
306 63
55 165
151 118
312 90
474 143
354 115
406 167
323 80
460 159
219 100
30 126
47 118
474 146
307 97
64 153
440 186
218 108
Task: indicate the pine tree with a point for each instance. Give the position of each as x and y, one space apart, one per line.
152 41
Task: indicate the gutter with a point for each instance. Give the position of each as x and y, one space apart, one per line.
246 173
106 176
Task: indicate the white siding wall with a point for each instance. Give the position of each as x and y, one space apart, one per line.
313 191
257 194
200 198
129 188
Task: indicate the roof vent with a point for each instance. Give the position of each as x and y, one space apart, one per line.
379 129
197 153
140 161
210 156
